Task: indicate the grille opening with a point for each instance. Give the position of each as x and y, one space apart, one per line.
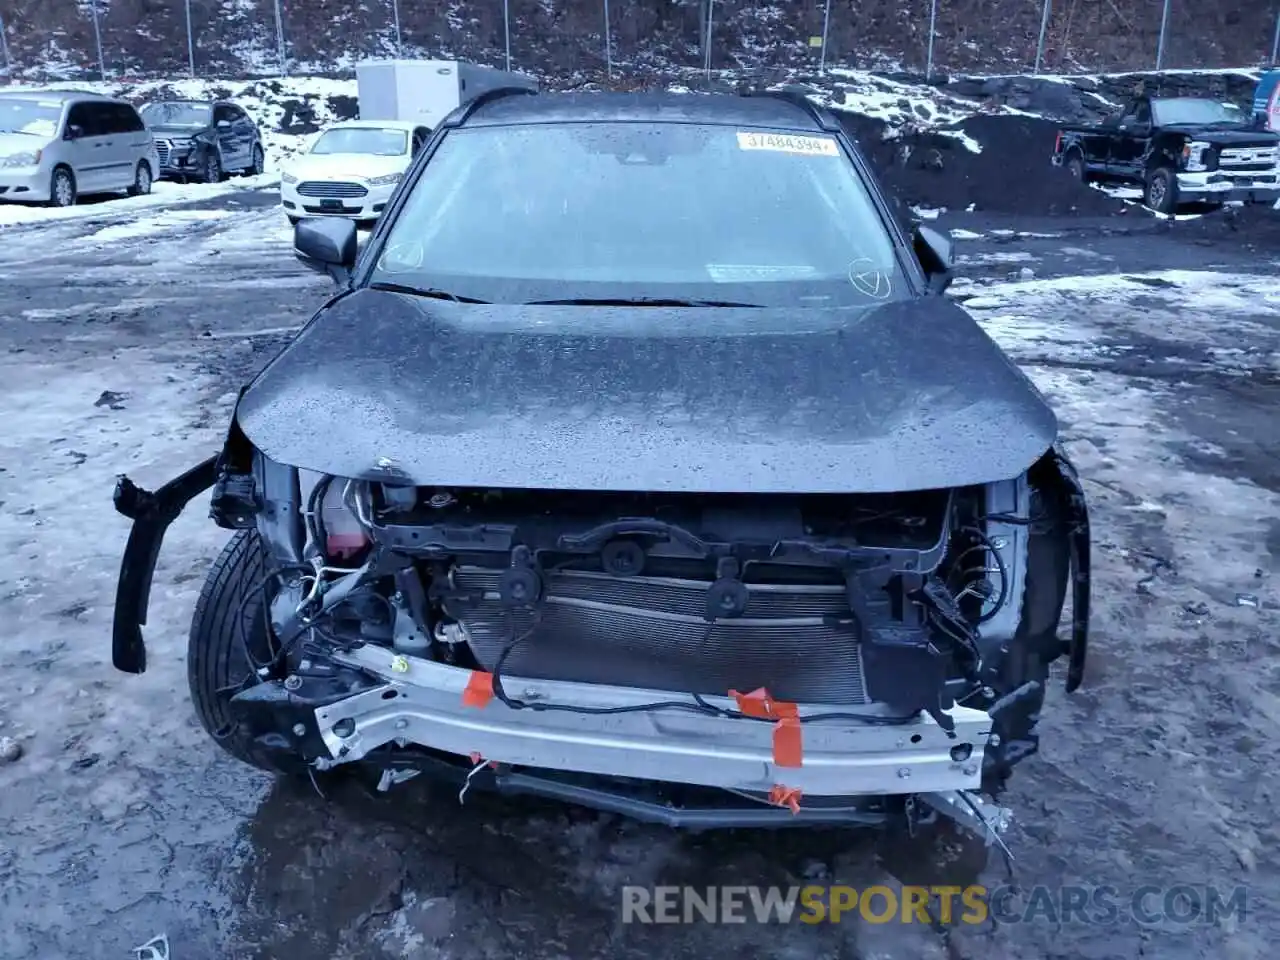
332 190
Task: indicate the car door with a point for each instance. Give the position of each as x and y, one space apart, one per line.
246 134
1129 146
224 128
89 145
118 170
133 144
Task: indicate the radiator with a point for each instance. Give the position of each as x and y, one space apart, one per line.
650 632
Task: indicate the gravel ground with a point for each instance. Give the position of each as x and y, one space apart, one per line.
121 343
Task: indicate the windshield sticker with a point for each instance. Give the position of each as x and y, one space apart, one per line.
748 272
788 143
869 280
401 257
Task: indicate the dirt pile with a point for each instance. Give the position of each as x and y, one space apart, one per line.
1011 173
1089 99
1254 227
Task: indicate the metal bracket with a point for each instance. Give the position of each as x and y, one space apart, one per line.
157 948
984 819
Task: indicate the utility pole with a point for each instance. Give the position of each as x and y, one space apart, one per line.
395 13
711 7
284 67
1044 27
191 46
4 49
826 23
1164 25
97 40
608 43
506 25
933 19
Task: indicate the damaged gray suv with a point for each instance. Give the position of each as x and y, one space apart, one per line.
639 462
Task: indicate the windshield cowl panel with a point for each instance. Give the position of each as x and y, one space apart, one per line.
633 212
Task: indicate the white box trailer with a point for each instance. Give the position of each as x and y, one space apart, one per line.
425 91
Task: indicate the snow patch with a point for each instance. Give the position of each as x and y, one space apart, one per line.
1083 318
163 221
163 194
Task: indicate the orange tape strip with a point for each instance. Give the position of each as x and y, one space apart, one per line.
785 797
759 704
479 690
788 743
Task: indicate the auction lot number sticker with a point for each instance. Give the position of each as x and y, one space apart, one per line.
788 143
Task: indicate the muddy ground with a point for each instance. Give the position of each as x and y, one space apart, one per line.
121 341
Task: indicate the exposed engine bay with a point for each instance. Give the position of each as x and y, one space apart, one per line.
908 634
830 600
882 656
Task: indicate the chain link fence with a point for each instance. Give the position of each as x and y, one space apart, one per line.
616 39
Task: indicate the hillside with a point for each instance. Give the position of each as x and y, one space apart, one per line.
563 39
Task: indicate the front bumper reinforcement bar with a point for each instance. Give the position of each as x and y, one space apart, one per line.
421 703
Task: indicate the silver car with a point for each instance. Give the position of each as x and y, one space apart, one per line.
58 145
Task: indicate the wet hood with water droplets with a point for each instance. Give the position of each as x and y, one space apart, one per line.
901 396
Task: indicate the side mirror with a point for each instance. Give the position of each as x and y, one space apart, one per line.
934 251
74 132
224 124
326 245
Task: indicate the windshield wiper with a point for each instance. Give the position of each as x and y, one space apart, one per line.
432 292
638 302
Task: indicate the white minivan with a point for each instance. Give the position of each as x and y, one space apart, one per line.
57 145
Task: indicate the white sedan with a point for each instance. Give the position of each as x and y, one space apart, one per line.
351 169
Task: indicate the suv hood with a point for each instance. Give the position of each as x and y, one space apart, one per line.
903 396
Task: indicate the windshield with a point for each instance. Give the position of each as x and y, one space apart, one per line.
1191 110
177 114
36 117
375 140
654 210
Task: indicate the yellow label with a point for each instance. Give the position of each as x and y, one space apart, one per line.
815 41
788 143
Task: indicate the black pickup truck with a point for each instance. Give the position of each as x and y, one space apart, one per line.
1179 150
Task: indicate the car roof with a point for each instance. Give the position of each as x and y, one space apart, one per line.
660 107
62 96
381 124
